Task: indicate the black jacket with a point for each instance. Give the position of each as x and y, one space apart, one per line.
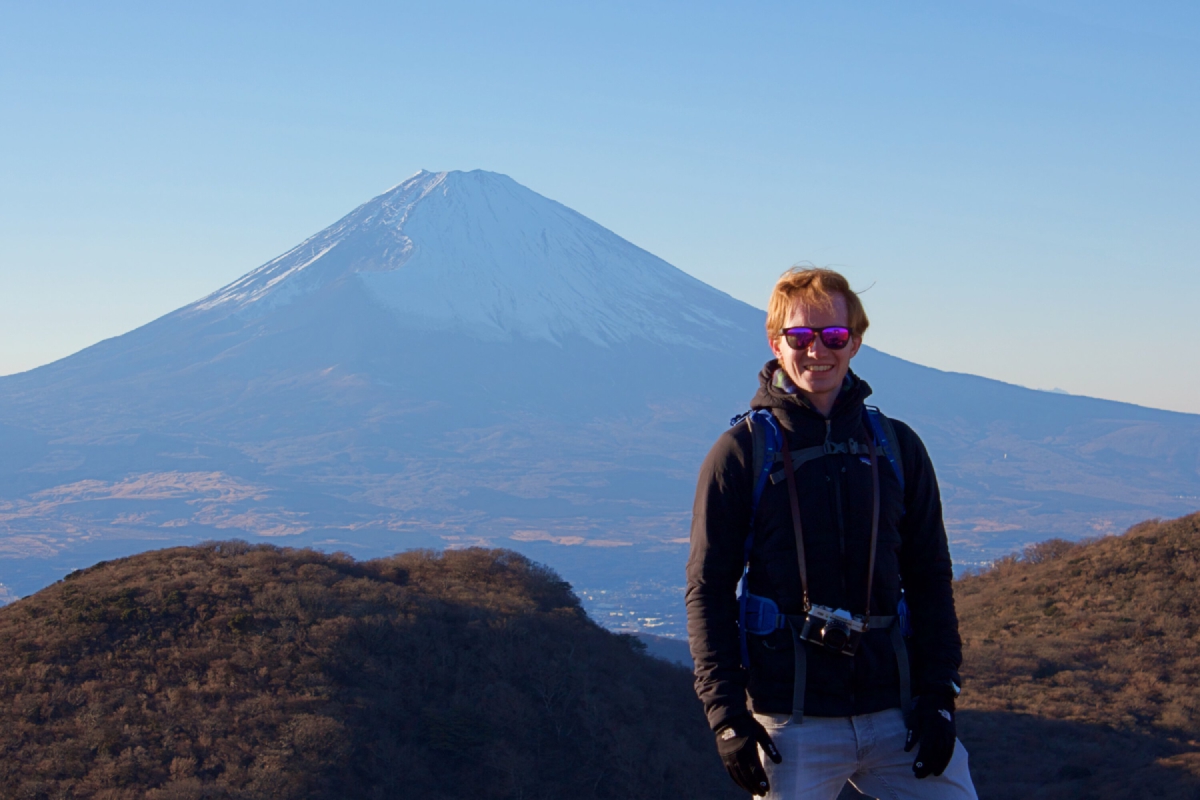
835 509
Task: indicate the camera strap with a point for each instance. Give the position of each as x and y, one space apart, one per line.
794 502
874 526
795 622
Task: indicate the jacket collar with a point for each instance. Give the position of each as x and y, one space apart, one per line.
777 392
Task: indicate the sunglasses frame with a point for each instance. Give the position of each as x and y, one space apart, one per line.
817 333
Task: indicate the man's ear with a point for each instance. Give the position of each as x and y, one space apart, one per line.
855 343
776 346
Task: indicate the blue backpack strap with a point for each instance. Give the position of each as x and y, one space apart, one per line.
906 629
885 436
768 439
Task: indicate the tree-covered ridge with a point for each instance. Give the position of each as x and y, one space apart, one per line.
1082 667
230 670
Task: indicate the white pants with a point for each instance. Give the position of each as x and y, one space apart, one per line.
868 750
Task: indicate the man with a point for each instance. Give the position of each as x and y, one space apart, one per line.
827 677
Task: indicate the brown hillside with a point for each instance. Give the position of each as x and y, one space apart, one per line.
1082 667
232 671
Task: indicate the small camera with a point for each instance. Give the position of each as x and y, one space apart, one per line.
836 629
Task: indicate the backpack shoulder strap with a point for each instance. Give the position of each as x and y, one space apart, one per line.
767 440
885 436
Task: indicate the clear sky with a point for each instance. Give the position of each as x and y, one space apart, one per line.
1018 183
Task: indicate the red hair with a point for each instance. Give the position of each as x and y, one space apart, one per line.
812 286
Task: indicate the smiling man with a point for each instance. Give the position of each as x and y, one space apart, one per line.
820 612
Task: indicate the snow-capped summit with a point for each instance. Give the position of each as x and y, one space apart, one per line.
478 251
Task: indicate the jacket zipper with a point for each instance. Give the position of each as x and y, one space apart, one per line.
835 479
835 476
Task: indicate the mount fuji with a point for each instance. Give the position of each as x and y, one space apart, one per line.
462 361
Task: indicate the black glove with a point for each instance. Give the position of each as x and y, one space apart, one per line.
738 742
932 724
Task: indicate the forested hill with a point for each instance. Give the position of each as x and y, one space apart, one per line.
236 671
1082 667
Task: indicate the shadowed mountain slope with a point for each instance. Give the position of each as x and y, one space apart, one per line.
1082 667
462 361
237 671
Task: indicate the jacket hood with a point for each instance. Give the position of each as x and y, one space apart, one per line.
776 390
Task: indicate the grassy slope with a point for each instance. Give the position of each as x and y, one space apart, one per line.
236 671
1083 667
257 672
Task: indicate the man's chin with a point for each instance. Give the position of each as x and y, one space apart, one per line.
817 387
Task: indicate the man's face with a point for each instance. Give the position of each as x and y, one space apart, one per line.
817 371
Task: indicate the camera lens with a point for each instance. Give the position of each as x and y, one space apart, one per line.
835 636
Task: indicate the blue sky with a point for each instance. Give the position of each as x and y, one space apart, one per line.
1016 182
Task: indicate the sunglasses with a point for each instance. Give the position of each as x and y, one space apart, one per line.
835 338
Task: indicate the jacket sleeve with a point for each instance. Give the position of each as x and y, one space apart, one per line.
926 571
720 522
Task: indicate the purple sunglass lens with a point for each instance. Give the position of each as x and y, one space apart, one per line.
799 338
835 338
